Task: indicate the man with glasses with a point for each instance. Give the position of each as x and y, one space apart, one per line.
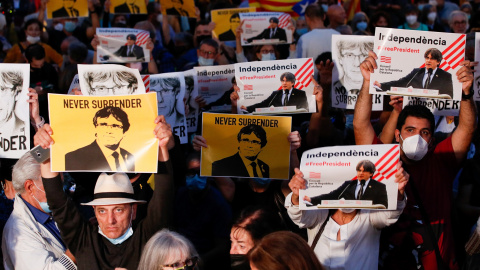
272 32
67 10
429 77
105 153
230 34
207 52
131 49
245 163
10 87
458 22
128 7
168 99
108 83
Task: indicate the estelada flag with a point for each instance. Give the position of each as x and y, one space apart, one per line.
274 5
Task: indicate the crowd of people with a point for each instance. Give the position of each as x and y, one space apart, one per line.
178 219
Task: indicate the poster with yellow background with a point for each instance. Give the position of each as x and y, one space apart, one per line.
89 130
226 22
128 7
246 146
67 9
184 8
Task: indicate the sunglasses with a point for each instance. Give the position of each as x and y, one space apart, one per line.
186 265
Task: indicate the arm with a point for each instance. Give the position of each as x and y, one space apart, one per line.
152 65
91 31
35 117
388 131
52 55
467 124
362 127
318 125
295 143
41 11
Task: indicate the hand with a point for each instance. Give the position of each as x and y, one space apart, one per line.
43 4
90 5
325 71
465 75
377 84
163 132
401 177
70 255
43 137
239 30
234 95
199 142
33 104
200 101
243 108
397 103
368 65
318 92
306 198
296 183
95 42
295 140
107 6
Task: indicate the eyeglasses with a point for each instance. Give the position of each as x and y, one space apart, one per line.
251 142
114 126
105 90
267 51
351 56
187 264
459 22
207 53
4 91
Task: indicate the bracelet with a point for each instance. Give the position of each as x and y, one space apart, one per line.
39 125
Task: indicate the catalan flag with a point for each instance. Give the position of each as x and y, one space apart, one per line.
275 6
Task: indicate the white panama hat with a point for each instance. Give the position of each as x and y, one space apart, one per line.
113 189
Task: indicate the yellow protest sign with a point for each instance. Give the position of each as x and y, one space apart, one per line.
226 22
103 133
179 7
246 146
128 7
67 9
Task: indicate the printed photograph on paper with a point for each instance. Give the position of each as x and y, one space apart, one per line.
122 45
181 8
281 86
441 107
246 146
261 28
227 21
215 84
170 90
109 80
417 63
67 9
348 52
128 7
191 92
476 82
14 110
361 176
110 134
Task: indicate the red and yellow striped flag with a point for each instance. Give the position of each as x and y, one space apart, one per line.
275 5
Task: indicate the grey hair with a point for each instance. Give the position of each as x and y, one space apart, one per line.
26 168
456 13
367 165
161 246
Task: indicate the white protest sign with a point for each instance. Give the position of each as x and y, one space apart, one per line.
444 107
215 86
334 181
122 45
261 28
191 92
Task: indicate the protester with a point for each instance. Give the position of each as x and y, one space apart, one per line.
411 19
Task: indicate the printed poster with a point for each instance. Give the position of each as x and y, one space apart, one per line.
109 80
227 21
215 84
246 146
348 52
442 107
335 175
170 91
14 110
122 45
266 28
476 82
183 8
191 92
113 133
128 7
417 63
67 9
74 86
264 84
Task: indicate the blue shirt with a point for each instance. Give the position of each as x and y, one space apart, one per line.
46 220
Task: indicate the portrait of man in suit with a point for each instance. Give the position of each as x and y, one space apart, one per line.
109 83
67 10
128 7
230 34
245 163
287 96
131 49
177 8
11 83
429 77
363 188
168 99
104 154
272 32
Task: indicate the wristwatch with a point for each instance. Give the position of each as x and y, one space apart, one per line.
467 96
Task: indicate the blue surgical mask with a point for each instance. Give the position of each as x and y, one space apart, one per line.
196 182
302 31
119 240
263 182
469 16
362 26
205 62
268 57
420 6
44 205
325 7
70 26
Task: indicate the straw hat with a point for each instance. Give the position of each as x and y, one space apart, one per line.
113 189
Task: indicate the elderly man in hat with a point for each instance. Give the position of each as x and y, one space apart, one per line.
113 242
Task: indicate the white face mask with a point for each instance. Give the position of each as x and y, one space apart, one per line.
33 40
121 239
432 16
58 26
205 62
414 147
159 18
411 19
347 210
268 57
